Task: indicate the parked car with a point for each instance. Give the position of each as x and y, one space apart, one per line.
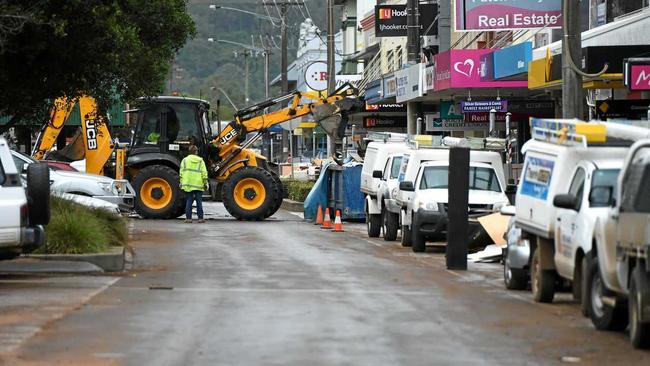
618 279
24 210
388 187
516 255
371 173
427 204
561 158
60 165
114 191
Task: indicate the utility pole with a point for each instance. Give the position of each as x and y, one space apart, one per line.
246 96
331 66
413 55
444 25
283 6
573 96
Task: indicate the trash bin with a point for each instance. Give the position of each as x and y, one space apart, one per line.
338 188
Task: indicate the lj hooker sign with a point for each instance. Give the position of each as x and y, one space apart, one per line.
474 15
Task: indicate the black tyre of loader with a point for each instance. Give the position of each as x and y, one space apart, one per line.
250 193
38 193
158 193
280 194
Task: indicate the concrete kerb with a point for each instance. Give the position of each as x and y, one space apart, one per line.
111 261
293 206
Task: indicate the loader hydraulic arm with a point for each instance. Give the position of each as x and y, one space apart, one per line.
50 132
254 119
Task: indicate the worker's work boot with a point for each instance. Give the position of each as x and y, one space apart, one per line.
188 221
201 221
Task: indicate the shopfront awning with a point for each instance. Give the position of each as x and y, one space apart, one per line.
546 73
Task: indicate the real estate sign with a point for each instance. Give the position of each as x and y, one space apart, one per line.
477 15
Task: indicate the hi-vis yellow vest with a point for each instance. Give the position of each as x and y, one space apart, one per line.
194 174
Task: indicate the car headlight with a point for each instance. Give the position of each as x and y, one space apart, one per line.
428 206
105 186
498 206
394 193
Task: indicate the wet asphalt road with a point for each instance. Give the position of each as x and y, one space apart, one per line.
283 292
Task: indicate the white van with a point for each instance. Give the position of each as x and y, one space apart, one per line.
389 186
374 163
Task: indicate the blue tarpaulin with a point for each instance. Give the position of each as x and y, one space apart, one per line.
338 188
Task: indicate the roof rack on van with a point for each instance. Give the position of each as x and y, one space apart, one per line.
574 132
474 143
386 136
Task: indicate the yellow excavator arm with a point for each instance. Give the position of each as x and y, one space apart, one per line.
95 136
253 119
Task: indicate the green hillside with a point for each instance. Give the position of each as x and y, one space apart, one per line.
201 66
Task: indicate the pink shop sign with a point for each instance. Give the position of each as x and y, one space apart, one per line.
639 77
462 69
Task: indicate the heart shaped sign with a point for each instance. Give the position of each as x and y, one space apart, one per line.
465 68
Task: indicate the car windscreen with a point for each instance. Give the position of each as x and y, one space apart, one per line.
394 169
606 178
480 178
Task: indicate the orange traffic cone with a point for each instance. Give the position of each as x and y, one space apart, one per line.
319 216
338 225
327 221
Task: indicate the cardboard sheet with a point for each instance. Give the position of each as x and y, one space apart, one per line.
495 225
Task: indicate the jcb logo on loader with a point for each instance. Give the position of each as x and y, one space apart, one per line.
229 136
91 135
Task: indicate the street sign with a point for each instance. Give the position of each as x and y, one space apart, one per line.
390 20
316 76
384 121
472 15
471 106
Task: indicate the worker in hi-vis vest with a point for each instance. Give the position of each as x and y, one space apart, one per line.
194 180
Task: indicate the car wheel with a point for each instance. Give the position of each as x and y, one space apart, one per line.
514 278
249 193
38 193
584 297
603 316
418 241
639 297
542 282
391 223
406 236
373 224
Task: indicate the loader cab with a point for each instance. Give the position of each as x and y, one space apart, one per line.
169 125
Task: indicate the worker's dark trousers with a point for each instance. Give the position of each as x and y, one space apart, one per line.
190 197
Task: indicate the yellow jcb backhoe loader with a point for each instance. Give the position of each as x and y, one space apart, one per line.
166 127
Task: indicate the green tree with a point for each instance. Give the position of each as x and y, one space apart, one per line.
102 48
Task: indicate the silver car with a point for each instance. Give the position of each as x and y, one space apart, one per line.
118 192
516 256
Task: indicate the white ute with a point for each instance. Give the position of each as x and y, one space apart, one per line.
22 211
560 205
620 279
422 195
377 154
